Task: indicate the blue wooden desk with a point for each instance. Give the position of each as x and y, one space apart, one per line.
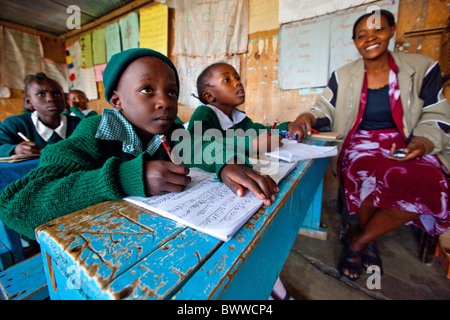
115 250
11 251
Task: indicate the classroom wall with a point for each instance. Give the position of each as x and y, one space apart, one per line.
264 100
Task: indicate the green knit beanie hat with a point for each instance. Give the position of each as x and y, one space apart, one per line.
120 61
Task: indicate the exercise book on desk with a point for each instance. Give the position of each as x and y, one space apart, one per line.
208 205
19 157
292 151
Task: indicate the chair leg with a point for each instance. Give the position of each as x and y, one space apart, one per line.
342 209
428 249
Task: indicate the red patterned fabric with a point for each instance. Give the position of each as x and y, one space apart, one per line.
417 185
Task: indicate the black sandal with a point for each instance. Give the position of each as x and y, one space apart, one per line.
348 263
370 257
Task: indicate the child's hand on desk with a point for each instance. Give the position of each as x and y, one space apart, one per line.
27 147
265 143
240 176
164 176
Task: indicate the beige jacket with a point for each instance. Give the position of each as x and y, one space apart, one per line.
417 120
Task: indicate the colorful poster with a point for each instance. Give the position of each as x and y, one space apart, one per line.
129 31
99 72
211 28
73 58
112 39
86 51
154 28
98 46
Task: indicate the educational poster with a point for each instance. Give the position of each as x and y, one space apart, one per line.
154 28
263 15
73 58
342 48
89 84
80 78
98 46
4 91
304 50
56 71
20 49
98 69
189 69
86 51
112 39
129 31
211 28
294 10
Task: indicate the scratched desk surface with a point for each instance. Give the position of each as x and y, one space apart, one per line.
116 250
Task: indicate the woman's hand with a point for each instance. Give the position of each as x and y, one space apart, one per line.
240 176
414 150
265 143
164 176
305 122
27 147
295 130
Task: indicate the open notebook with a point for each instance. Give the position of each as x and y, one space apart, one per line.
292 151
210 206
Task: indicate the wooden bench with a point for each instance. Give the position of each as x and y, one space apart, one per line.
24 281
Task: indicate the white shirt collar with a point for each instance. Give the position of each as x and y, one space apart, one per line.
46 132
225 122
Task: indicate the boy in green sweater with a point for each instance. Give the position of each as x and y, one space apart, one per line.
118 154
77 101
221 92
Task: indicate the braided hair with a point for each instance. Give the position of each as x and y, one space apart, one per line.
202 81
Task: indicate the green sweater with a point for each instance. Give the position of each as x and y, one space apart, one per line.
209 120
23 123
80 114
79 172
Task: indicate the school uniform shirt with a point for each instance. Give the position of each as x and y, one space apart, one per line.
30 125
76 112
102 160
210 117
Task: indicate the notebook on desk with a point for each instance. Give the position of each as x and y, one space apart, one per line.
19 157
292 151
208 205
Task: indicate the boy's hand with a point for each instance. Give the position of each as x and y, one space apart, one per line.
240 176
265 143
27 147
164 176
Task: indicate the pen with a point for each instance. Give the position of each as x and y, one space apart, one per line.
166 146
273 127
23 136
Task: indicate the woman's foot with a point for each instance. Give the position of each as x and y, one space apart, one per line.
370 257
350 265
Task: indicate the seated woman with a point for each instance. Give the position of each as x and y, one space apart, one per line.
380 103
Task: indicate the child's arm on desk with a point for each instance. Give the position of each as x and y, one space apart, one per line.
237 177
